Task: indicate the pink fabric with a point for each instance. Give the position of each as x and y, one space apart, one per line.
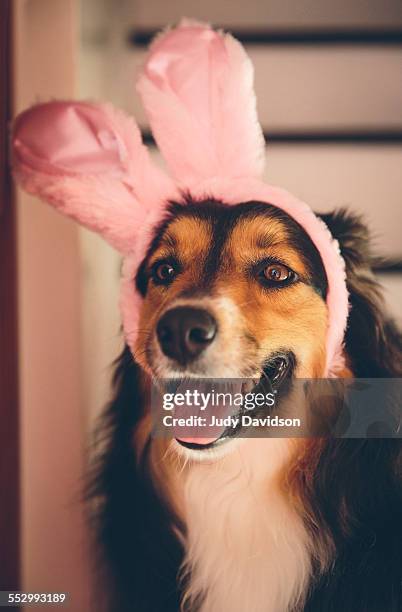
79 141
88 160
197 89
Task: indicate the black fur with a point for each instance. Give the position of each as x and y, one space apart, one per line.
139 555
373 341
356 488
359 496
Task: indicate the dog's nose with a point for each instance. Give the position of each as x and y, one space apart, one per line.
184 332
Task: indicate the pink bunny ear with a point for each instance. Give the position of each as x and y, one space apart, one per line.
89 162
197 90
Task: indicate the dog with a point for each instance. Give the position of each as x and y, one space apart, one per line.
248 524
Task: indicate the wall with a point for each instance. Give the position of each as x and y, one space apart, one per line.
52 416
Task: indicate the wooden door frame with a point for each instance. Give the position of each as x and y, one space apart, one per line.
53 437
9 404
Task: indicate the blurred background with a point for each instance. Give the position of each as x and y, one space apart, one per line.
329 92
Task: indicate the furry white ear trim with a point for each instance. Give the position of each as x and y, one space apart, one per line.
89 162
197 90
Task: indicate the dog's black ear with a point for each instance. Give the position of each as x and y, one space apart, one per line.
373 342
139 553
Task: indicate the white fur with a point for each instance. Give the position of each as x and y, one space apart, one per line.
246 548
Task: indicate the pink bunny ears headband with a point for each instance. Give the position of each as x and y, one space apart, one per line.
88 160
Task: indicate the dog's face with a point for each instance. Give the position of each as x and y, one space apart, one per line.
230 291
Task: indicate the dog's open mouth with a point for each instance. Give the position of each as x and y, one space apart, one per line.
226 424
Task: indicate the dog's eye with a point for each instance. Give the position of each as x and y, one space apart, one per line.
276 274
163 272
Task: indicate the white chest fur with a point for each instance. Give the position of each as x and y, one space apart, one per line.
247 549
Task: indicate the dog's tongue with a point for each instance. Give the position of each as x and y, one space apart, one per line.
210 403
